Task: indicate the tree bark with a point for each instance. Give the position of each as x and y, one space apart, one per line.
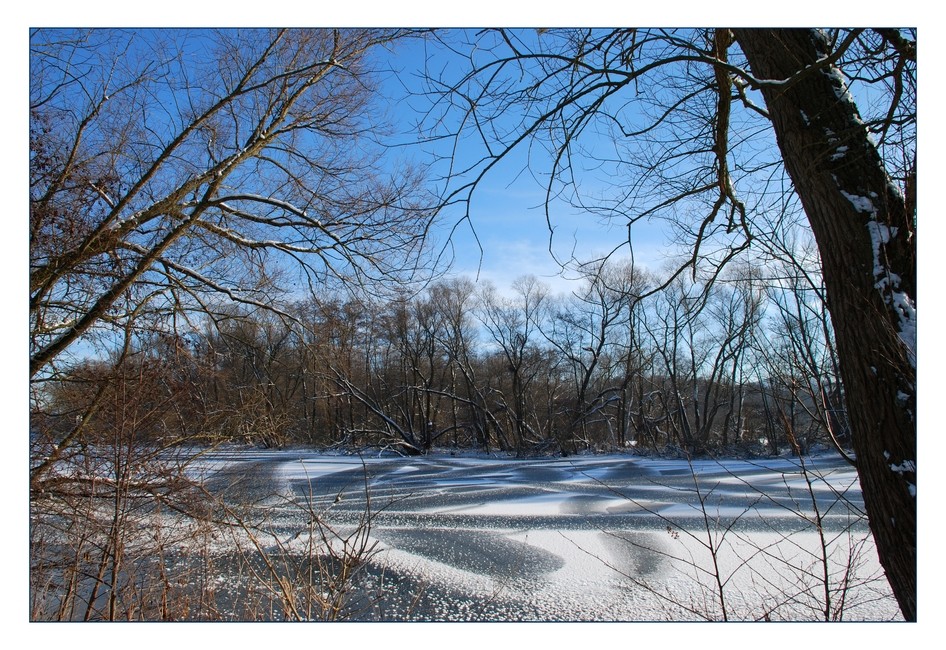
866 237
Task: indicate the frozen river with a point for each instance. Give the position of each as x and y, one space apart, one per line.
613 537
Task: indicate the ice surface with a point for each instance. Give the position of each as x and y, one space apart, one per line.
598 537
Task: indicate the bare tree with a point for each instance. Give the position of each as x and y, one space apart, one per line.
583 330
458 340
194 168
513 326
179 179
175 172
718 132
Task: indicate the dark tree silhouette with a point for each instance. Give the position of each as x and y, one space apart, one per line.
867 240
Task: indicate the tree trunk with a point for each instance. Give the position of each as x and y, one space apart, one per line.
866 238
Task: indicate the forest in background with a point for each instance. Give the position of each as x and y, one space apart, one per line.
742 366
184 184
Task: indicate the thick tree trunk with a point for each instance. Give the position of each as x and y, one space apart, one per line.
865 235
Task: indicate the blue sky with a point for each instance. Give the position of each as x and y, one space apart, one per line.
506 212
507 235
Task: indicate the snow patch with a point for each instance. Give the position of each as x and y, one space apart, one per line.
906 467
839 82
839 153
880 235
888 284
906 311
860 203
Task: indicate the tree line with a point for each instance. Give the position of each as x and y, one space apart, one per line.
744 364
